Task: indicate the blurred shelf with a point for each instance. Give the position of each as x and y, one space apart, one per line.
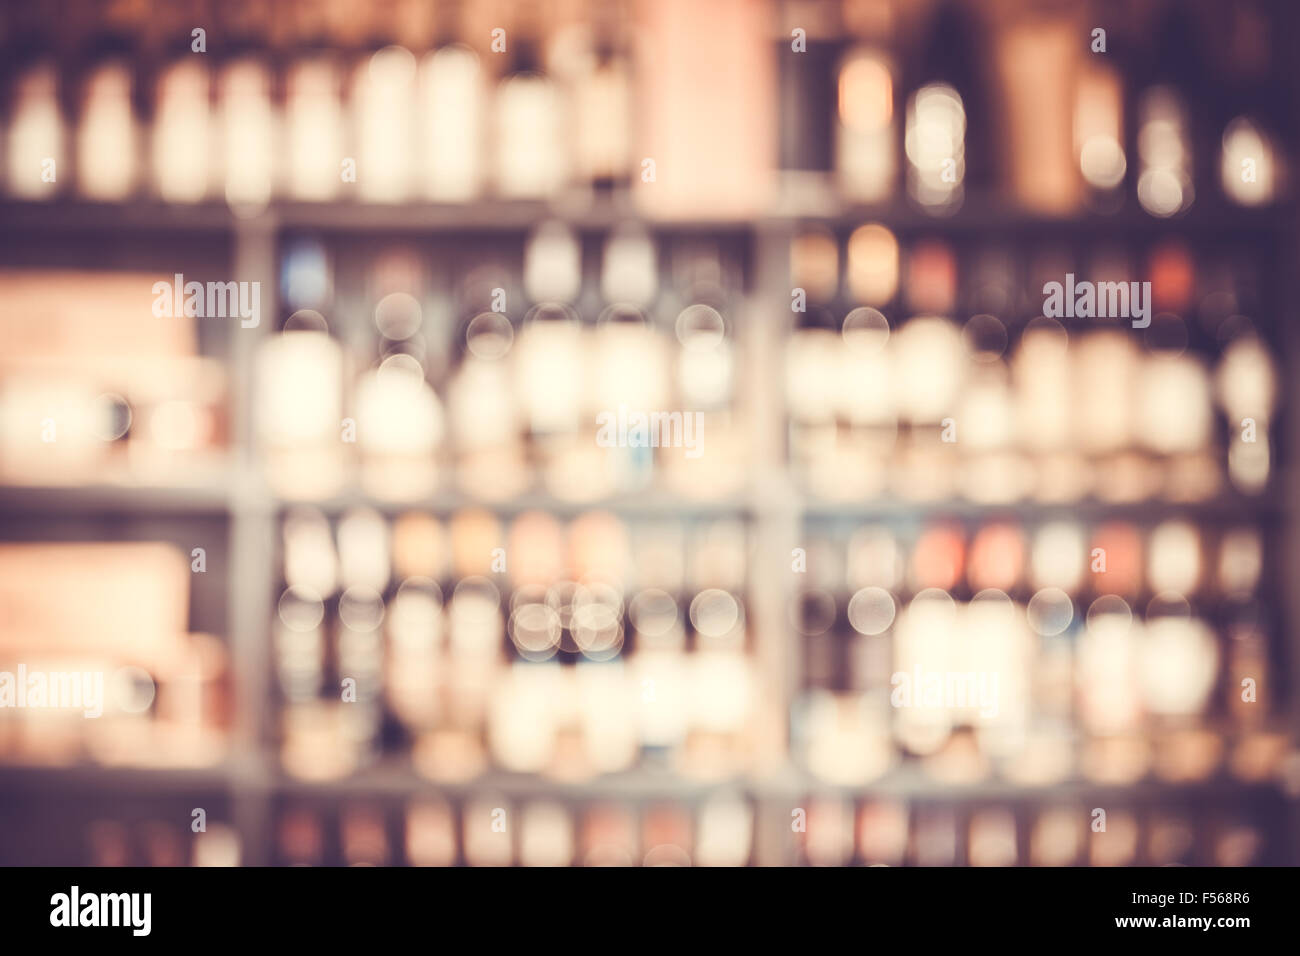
20 778
983 214
65 215
394 777
74 215
1226 508
206 499
489 215
911 784
216 499
1000 217
631 504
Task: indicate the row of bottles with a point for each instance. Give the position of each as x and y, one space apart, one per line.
718 830
923 271
526 109
509 374
1148 382
1104 556
493 830
1072 112
933 411
839 832
521 115
533 646
117 842
1036 654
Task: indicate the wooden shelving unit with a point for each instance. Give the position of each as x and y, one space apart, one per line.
774 508
777 513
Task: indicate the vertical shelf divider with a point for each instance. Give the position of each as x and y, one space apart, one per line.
251 573
776 518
